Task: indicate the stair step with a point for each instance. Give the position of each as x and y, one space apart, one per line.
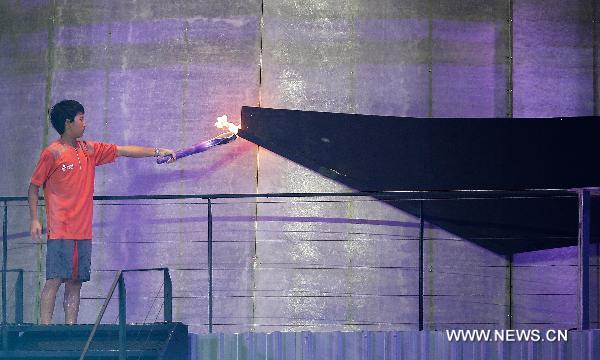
97 344
91 354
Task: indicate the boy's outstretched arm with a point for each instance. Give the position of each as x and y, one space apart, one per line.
33 197
141 151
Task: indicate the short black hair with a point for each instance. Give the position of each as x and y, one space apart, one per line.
63 111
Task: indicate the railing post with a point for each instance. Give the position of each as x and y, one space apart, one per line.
510 291
583 255
168 296
210 268
4 259
421 264
122 319
19 298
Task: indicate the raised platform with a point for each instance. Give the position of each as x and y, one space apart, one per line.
144 341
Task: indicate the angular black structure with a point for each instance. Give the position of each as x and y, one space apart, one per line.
376 153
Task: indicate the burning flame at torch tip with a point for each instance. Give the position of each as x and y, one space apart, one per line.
223 123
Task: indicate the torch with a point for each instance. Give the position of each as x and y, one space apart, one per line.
205 145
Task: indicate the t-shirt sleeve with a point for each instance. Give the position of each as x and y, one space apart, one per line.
104 153
43 169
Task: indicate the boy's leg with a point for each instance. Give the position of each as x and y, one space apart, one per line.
71 300
57 271
47 300
82 250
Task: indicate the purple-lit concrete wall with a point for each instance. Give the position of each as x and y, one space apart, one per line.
553 72
595 287
597 63
159 73
545 288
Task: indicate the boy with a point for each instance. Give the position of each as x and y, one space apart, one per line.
66 171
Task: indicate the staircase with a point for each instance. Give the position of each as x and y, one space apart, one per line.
168 340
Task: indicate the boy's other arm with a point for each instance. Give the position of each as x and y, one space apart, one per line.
33 197
135 151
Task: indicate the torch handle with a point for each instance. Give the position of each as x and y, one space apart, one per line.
198 148
163 159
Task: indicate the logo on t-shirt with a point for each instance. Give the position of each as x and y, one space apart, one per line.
66 167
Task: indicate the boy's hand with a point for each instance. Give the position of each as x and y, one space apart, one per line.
167 152
36 230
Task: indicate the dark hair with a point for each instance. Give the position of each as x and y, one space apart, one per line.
63 111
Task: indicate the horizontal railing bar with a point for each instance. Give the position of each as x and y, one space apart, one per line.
407 195
142 270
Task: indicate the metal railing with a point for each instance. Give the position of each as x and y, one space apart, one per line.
120 282
418 196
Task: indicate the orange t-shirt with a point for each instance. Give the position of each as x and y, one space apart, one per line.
67 176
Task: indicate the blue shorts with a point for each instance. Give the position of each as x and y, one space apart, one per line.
68 259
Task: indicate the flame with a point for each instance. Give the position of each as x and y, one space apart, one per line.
223 123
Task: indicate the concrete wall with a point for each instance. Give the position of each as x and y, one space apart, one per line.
158 74
553 53
545 288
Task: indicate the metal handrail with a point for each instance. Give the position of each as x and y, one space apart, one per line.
394 194
120 282
101 313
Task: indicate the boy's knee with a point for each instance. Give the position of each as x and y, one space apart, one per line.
73 284
54 283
